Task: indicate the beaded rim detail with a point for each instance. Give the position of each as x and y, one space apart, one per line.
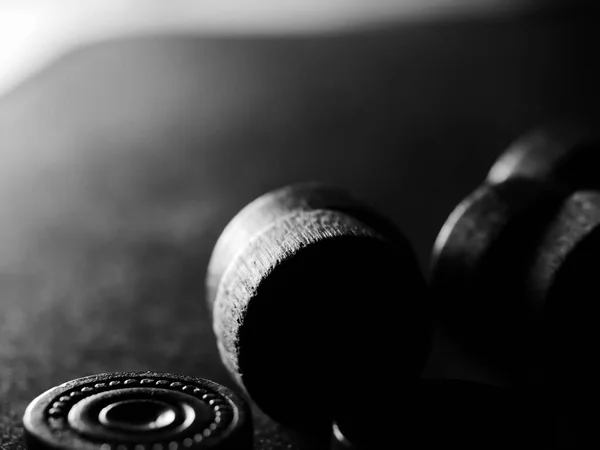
222 412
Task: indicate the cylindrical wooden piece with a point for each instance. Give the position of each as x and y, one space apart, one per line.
481 272
512 275
311 291
567 154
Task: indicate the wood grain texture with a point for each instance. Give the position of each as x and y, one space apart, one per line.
266 209
295 297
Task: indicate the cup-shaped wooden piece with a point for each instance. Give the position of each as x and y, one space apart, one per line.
481 273
567 153
311 291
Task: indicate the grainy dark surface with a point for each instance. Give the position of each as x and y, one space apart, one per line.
122 162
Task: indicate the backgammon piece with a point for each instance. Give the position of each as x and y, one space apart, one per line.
566 280
138 411
568 154
559 283
481 272
320 293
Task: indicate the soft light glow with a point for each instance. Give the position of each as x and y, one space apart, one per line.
32 32
17 38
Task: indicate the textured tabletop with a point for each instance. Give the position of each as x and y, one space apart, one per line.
122 162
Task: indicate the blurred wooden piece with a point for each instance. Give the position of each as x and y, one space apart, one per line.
565 153
481 263
514 276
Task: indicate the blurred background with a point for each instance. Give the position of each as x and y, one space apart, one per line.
126 98
132 131
36 31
